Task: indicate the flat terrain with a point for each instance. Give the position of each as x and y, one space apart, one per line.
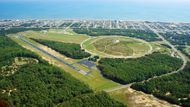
128 58
134 98
67 36
95 80
116 47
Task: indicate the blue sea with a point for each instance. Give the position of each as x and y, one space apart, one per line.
166 12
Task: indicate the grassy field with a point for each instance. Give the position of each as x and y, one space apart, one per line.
61 35
120 96
157 47
187 50
116 46
94 79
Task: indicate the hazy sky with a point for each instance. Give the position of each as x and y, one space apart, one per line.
150 1
166 2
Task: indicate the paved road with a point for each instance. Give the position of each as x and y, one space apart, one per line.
69 25
173 48
52 56
118 88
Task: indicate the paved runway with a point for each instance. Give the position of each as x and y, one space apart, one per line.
54 57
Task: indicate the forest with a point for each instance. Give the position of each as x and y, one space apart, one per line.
10 50
99 99
4 32
40 84
182 49
68 49
134 70
174 88
145 35
177 39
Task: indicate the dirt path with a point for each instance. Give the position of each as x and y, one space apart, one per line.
116 56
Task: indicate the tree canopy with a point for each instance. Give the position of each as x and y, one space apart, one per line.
41 84
134 70
92 100
68 49
145 35
174 88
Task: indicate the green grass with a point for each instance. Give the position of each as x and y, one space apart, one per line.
71 50
187 50
67 36
109 46
94 80
82 67
120 96
113 46
157 47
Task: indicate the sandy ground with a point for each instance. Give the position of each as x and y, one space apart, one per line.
140 99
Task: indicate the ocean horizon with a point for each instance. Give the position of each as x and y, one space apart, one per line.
96 11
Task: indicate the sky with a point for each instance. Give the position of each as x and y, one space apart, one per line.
147 1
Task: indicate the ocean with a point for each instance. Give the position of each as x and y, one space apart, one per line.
173 12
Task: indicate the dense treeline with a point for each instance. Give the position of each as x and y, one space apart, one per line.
4 32
134 70
92 100
68 49
40 84
182 49
174 88
146 35
9 50
177 39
